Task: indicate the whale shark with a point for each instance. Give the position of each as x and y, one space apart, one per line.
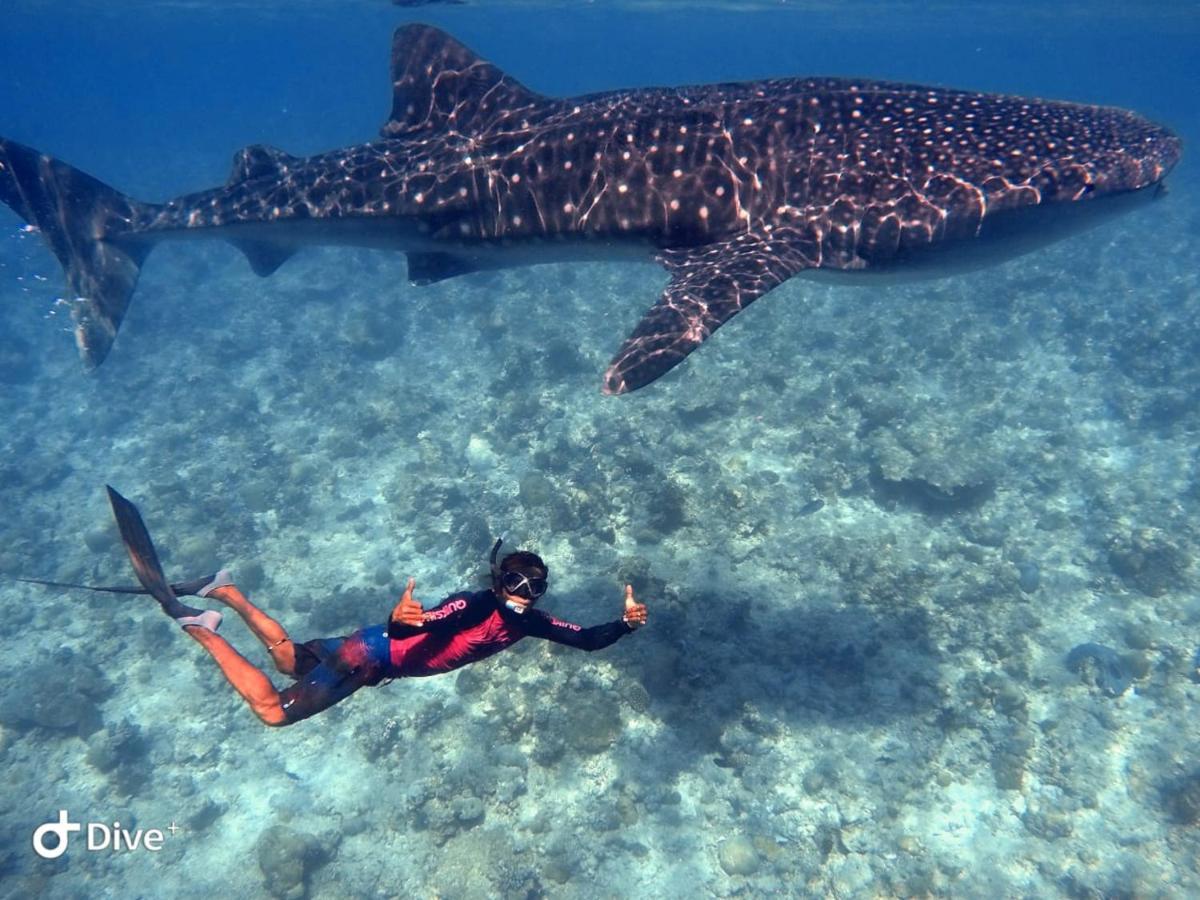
733 188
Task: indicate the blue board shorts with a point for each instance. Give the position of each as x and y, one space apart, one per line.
328 670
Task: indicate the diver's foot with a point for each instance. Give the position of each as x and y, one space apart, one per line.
220 580
209 620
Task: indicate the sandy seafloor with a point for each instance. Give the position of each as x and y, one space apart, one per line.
869 698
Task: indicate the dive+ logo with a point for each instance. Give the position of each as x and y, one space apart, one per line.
100 836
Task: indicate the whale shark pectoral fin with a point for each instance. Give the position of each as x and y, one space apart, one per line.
709 286
437 83
428 268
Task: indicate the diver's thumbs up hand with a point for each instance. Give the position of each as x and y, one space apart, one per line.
635 613
408 611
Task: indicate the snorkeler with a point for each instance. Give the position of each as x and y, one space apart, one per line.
464 628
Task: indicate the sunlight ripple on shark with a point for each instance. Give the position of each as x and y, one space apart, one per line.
734 188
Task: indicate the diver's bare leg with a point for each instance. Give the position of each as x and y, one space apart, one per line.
249 681
273 635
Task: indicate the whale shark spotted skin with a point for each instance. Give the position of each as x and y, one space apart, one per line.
733 188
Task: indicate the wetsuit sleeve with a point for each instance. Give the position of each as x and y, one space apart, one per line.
456 612
595 638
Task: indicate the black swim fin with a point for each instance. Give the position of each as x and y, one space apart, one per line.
145 560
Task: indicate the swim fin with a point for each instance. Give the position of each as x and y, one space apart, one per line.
148 569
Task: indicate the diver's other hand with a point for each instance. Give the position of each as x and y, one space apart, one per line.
408 611
635 613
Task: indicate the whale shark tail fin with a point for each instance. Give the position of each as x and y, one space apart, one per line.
438 82
86 224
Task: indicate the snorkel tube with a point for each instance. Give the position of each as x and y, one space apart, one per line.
497 584
495 566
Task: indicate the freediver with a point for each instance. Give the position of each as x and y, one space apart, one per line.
464 628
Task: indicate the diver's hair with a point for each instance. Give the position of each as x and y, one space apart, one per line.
526 563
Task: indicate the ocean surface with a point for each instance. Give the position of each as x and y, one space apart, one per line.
870 524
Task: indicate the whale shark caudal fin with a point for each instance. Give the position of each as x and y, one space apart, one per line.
709 286
82 221
437 83
92 229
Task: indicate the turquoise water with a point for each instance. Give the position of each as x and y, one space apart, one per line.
869 698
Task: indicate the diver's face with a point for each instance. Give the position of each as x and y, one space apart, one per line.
519 591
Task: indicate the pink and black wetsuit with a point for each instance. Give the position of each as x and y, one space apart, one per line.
462 629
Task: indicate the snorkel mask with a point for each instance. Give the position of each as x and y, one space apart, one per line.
515 583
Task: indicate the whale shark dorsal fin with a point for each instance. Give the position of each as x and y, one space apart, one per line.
438 83
259 161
